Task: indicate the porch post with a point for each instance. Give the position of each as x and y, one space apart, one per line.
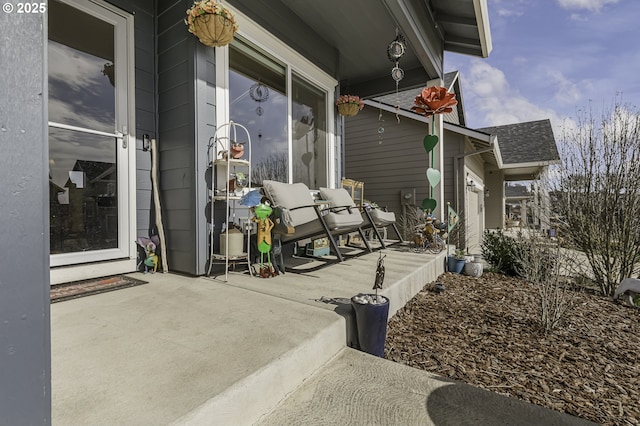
25 338
438 160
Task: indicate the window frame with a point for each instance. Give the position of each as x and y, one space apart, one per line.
294 63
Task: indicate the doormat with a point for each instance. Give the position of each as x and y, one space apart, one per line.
76 289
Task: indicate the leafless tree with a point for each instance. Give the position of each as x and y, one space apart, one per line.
274 167
598 192
547 268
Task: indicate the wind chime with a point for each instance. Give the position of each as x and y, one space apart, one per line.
395 51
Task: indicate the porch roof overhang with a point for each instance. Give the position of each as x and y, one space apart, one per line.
483 144
349 39
525 171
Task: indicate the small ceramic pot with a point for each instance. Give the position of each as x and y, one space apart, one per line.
473 269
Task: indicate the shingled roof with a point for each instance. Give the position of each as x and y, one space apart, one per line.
405 99
526 143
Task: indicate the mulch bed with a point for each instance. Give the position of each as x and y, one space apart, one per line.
76 289
484 331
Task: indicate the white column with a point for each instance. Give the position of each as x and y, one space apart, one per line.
438 157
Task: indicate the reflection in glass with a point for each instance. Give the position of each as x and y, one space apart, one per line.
83 198
258 101
309 121
81 69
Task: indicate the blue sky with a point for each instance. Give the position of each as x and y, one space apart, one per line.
549 58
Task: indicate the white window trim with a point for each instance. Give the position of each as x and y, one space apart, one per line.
294 62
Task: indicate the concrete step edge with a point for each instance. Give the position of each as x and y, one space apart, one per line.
260 392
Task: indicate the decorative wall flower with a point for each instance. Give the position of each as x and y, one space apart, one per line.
434 100
211 22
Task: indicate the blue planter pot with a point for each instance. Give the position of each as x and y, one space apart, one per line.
371 321
455 265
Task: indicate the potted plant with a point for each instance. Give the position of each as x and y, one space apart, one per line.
473 268
372 313
211 22
349 105
456 262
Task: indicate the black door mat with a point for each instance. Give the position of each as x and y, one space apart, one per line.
76 289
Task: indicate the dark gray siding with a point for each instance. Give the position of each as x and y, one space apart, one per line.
400 161
145 121
186 120
25 337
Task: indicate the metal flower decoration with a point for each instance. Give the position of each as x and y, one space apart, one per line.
431 101
434 100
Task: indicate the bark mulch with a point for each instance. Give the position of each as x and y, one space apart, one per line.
484 331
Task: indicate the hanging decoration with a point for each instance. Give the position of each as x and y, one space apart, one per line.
395 51
349 105
211 22
431 101
380 127
259 93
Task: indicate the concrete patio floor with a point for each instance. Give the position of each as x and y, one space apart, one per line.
185 350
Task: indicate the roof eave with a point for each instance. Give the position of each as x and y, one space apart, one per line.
484 32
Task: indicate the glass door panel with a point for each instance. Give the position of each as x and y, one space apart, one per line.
258 101
88 161
309 131
83 188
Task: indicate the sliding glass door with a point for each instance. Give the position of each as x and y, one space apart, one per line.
285 113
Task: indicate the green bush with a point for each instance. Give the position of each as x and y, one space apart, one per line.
502 252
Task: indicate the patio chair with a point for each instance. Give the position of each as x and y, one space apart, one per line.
376 217
381 218
309 219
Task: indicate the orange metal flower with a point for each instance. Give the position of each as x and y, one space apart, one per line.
434 100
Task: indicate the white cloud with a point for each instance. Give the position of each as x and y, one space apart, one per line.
488 94
567 92
591 5
509 12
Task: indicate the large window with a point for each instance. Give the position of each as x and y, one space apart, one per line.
285 113
258 101
309 133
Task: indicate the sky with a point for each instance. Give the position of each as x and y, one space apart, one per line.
550 59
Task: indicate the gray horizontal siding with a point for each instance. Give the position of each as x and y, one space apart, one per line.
145 116
400 161
176 134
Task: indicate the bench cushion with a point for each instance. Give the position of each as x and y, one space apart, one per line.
290 196
338 198
382 218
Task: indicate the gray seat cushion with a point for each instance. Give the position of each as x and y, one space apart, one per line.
341 217
382 218
338 198
289 196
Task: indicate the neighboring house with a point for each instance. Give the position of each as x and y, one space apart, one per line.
473 163
528 149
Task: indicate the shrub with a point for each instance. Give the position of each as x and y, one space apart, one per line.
502 252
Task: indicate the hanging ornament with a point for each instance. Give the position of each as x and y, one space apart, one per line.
380 128
396 48
397 73
259 93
